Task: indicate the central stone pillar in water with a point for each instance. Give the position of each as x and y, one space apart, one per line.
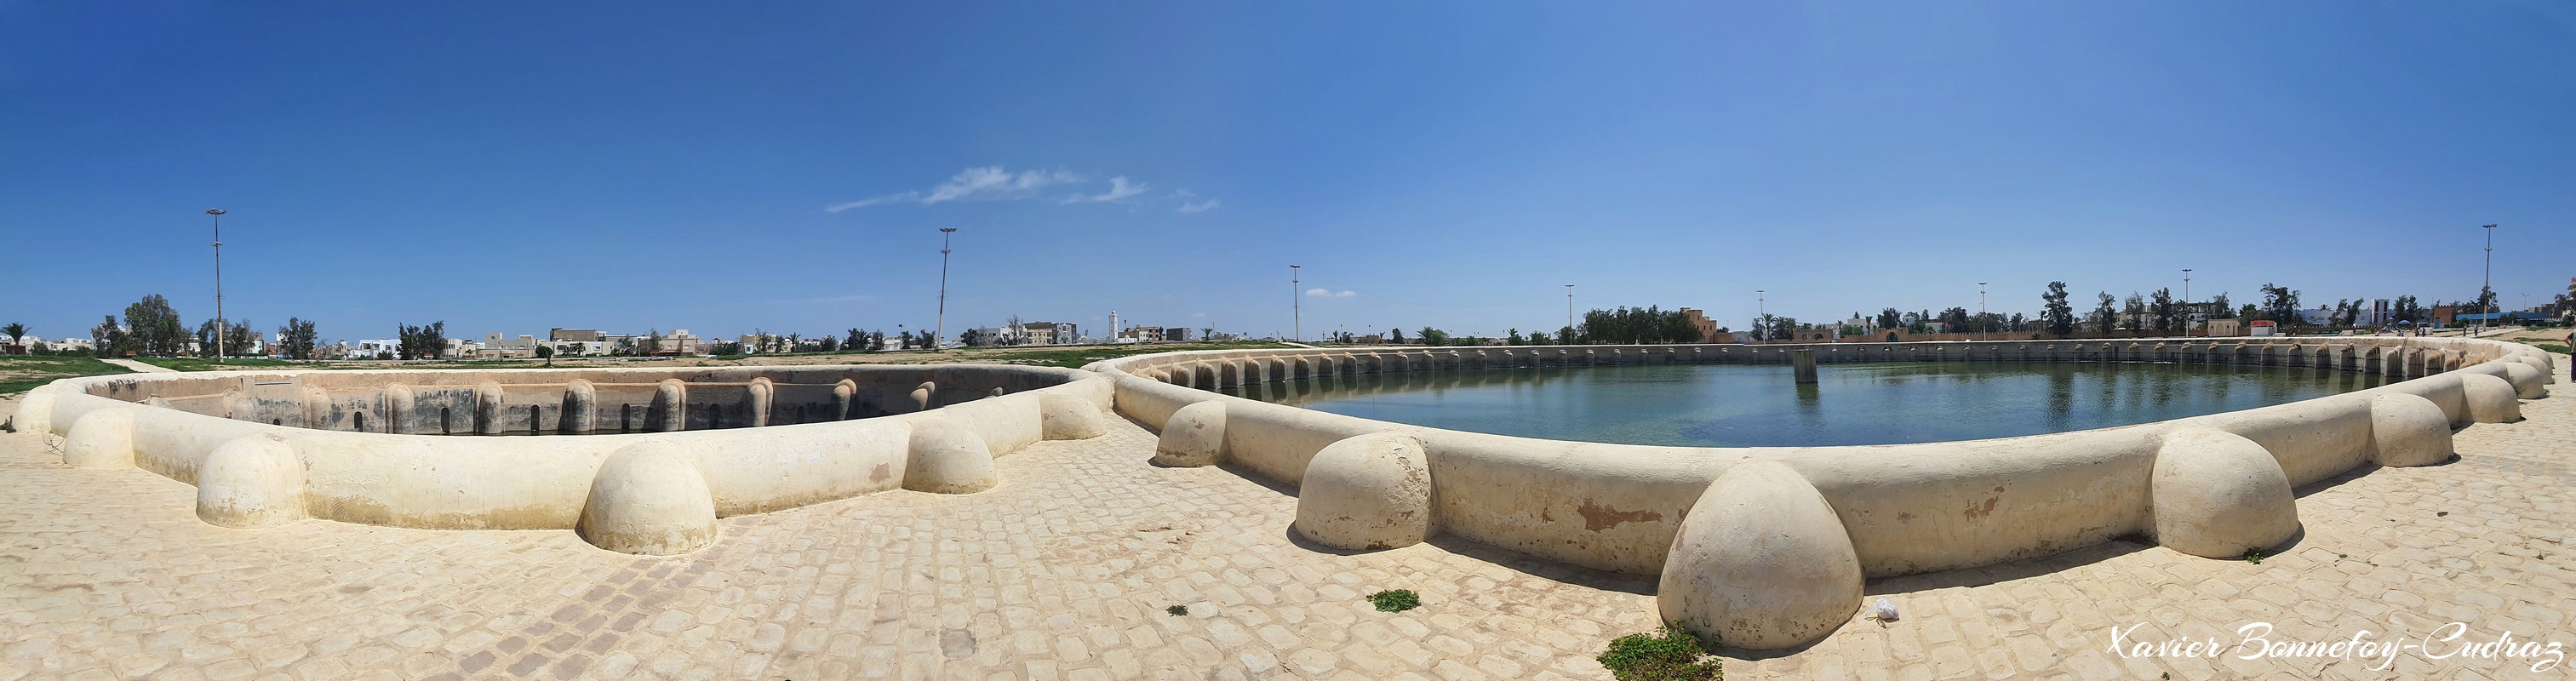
1805 360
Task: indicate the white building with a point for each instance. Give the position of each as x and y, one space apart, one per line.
370 349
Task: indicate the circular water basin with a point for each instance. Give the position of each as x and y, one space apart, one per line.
1761 405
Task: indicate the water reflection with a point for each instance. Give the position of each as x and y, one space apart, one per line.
1762 405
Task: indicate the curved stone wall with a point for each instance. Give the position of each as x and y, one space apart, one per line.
2213 485
268 447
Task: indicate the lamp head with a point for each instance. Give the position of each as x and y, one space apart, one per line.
219 211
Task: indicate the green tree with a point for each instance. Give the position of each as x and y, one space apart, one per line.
17 333
2405 309
2162 310
2055 312
1432 337
153 328
2281 304
547 353
2106 315
297 339
420 342
109 339
1889 319
1515 338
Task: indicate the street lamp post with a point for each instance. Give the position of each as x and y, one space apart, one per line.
942 321
2486 287
1296 306
1982 332
2186 301
218 215
1760 314
1567 338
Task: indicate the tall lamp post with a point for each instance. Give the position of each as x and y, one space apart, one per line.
2186 301
1567 338
2486 287
942 330
1760 315
218 215
1982 333
1296 306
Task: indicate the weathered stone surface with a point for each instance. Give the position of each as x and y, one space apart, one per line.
1368 493
2218 494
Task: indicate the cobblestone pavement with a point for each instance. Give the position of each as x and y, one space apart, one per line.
1065 571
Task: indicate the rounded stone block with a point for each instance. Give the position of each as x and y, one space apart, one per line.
669 412
1761 563
101 439
488 402
921 395
2527 381
2216 494
251 482
580 407
1194 436
947 458
35 413
763 393
1066 417
1366 493
2408 430
2548 374
2491 399
399 404
845 396
649 499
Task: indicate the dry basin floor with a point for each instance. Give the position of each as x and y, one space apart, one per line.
1065 571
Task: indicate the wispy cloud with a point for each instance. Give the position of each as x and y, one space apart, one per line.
1328 293
974 184
996 183
1119 190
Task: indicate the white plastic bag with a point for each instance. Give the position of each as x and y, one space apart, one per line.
1883 610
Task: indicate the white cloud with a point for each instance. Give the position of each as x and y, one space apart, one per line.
975 184
1200 207
1328 293
1119 190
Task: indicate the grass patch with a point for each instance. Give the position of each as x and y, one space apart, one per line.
21 373
2551 347
1395 600
2256 556
1667 655
230 364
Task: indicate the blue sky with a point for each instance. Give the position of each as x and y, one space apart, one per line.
514 167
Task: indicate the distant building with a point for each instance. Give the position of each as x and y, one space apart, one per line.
2226 327
1052 333
583 335
1141 334
496 347
370 349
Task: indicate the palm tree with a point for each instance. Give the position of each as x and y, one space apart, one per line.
16 332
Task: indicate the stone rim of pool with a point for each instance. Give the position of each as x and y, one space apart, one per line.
856 429
1769 547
